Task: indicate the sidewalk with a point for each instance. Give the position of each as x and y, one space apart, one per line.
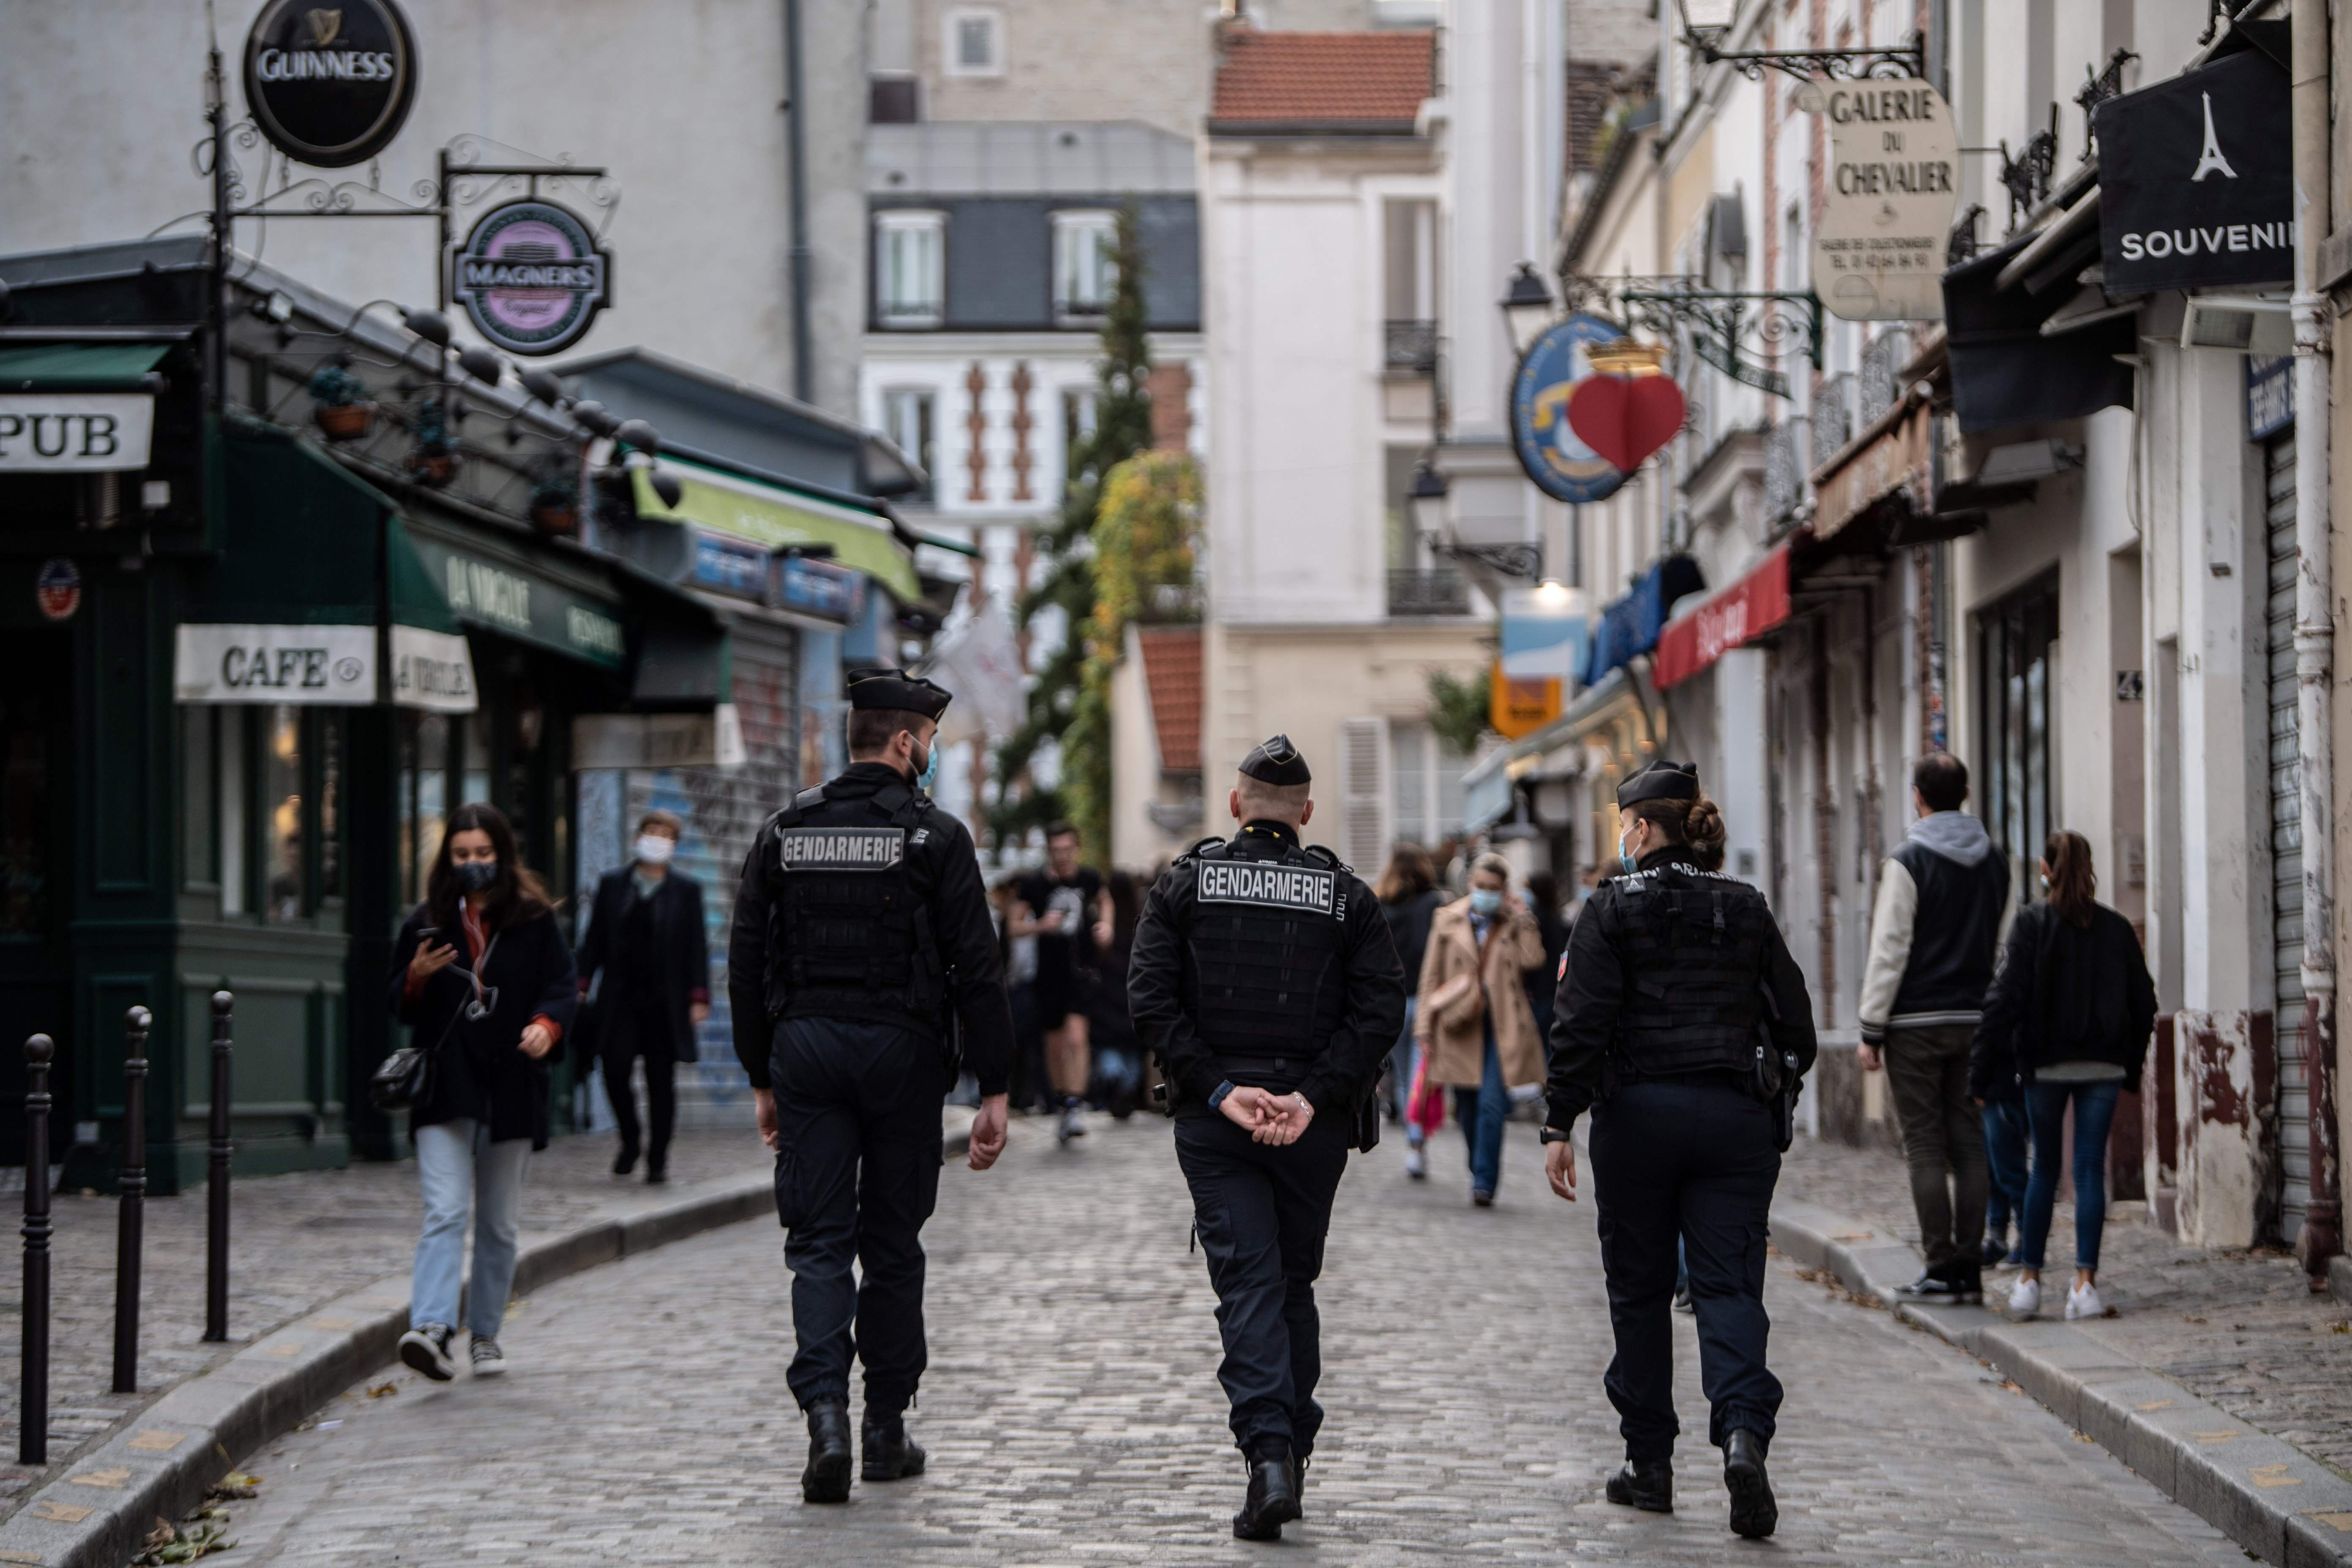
2207 1365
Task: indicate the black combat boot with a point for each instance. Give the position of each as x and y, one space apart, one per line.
891 1454
1753 1512
826 1479
1273 1497
1646 1483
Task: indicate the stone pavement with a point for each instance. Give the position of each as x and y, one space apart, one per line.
295 1241
1072 1416
2243 1330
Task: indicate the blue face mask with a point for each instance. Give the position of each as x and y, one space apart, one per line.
1624 857
931 769
1486 900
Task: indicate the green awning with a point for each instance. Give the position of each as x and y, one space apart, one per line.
778 519
941 541
520 593
299 543
77 367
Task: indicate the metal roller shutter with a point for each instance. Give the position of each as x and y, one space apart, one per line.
2286 839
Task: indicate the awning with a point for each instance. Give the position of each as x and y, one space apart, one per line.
1748 609
2005 372
1487 785
780 518
1891 454
1629 626
80 367
493 584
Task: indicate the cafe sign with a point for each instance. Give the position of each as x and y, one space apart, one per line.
330 85
75 433
531 277
1893 185
298 664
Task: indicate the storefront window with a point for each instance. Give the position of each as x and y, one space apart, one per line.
330 751
199 867
2015 643
477 786
25 726
233 735
281 818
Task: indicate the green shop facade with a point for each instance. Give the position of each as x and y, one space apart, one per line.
259 650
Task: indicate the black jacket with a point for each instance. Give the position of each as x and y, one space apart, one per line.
681 955
478 1068
1409 924
944 867
1372 1011
2065 994
1594 994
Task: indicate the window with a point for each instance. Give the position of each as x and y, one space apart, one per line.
1077 417
262 811
909 274
2016 642
907 420
1086 267
1410 284
975 43
1427 775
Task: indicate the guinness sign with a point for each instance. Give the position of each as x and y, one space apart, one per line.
531 277
330 85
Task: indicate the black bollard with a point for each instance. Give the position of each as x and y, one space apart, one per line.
33 1430
130 1206
217 1180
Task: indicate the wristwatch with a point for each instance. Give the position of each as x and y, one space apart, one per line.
1217 1095
1553 1135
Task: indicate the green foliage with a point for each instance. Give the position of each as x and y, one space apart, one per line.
1460 711
1059 705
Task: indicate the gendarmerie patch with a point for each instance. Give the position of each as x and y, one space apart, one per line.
840 849
1275 887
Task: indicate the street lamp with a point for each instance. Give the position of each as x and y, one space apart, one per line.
1426 496
1527 307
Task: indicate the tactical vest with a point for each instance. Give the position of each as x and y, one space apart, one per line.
1693 944
1265 948
849 937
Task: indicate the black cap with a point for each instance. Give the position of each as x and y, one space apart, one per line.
880 686
1662 780
1276 762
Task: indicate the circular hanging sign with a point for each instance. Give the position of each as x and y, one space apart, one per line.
330 85
1555 364
532 277
58 589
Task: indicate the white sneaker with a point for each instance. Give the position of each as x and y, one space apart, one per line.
2082 1301
1073 1124
488 1359
2025 1298
1416 1163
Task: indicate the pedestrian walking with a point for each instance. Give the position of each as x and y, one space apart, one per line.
861 945
645 937
1474 1018
1265 981
1409 897
1063 905
1541 893
484 980
2006 1172
2066 1027
1684 1024
1118 1051
1934 935
1030 1087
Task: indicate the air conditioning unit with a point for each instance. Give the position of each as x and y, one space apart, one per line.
2241 325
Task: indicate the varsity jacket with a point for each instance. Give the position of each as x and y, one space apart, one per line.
1943 902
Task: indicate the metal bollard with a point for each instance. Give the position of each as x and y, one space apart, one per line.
33 1430
217 1180
130 1206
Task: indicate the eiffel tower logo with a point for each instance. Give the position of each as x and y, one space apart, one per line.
2212 162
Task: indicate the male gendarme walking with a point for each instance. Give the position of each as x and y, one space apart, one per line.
1264 978
861 938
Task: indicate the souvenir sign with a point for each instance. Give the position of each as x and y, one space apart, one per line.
2195 184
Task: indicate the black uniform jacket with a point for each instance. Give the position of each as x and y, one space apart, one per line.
1158 977
944 868
1594 990
681 957
478 1068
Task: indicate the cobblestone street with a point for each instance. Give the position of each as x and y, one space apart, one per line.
1072 1416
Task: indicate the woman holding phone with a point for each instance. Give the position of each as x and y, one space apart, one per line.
485 981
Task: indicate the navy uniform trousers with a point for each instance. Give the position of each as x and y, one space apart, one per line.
857 1114
1689 1159
1262 1212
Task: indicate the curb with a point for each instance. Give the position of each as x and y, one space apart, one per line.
164 1456
2273 1500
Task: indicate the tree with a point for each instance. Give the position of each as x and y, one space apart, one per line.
1461 711
1122 428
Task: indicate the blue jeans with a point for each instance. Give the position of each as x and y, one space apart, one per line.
457 1166
2045 1112
1481 1112
1400 1060
2005 1134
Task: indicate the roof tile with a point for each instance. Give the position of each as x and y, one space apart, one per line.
1171 674
1355 80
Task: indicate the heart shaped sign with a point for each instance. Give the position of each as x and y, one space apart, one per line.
1624 418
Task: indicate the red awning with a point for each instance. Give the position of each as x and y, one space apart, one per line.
1745 610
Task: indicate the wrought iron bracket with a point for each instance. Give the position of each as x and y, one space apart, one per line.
2096 89
1503 560
1893 60
2026 176
1725 327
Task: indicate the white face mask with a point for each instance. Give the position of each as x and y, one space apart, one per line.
655 849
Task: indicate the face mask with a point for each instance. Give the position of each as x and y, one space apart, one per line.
474 876
1625 856
929 770
1486 900
655 848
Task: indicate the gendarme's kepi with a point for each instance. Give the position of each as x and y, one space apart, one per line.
881 686
1662 780
1275 761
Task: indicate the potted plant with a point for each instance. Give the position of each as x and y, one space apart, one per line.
435 460
555 506
341 401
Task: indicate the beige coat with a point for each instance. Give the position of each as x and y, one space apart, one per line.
1451 969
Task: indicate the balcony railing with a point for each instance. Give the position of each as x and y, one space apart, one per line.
1834 422
1410 347
1785 450
1440 591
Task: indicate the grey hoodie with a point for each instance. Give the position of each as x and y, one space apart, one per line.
1942 905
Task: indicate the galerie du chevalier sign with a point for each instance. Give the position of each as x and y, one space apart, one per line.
330 85
532 277
1878 250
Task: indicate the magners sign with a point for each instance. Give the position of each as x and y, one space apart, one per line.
532 277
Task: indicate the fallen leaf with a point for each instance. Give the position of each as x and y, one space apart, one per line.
382 1389
2084 1438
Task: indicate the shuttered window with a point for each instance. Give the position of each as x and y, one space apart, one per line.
1363 823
